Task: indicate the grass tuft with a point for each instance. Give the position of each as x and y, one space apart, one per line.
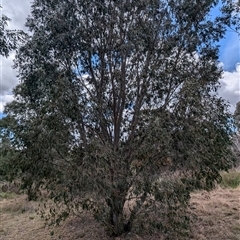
230 179
7 195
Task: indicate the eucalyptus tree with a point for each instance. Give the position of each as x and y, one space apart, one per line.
236 137
117 110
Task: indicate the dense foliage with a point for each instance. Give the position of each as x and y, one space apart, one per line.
117 111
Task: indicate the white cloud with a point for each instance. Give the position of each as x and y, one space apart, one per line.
17 11
5 99
8 80
8 75
230 89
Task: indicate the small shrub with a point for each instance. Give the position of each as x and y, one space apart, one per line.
230 179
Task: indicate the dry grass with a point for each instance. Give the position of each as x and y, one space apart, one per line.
19 220
216 215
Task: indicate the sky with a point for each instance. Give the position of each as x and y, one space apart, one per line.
18 10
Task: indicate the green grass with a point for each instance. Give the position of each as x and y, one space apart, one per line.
7 195
230 179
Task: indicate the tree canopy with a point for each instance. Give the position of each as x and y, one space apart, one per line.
117 111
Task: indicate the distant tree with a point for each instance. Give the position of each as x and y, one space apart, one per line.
7 150
236 138
237 115
117 111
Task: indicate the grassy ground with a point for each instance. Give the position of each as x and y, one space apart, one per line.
215 215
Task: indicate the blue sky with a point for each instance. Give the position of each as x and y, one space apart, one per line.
230 50
18 10
229 45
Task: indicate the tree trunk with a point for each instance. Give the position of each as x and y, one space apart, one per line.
116 218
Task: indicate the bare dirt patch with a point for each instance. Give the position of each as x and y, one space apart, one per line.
215 215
